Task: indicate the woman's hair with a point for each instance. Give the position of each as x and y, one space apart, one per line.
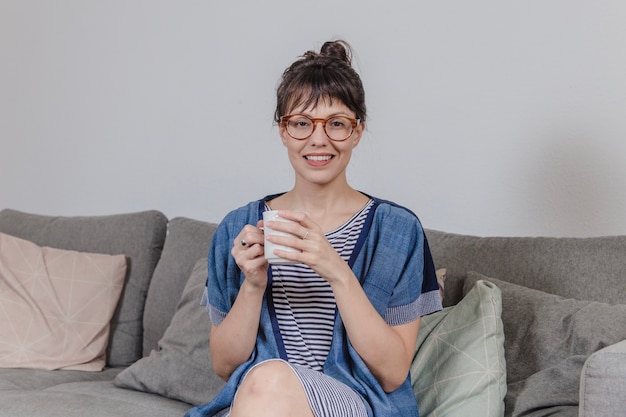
327 75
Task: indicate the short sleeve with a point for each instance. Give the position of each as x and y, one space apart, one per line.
223 278
418 273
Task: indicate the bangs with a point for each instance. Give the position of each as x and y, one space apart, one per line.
317 86
308 99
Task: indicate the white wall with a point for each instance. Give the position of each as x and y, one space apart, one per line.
486 117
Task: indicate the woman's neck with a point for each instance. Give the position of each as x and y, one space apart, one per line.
328 207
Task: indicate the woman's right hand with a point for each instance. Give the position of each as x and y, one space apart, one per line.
248 251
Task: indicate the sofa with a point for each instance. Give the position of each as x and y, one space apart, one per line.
532 326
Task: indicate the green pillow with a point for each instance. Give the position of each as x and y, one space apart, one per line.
459 367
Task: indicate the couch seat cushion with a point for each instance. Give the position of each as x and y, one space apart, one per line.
93 399
39 379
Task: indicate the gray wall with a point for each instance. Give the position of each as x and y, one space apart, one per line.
486 117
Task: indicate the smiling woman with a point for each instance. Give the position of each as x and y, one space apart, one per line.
331 329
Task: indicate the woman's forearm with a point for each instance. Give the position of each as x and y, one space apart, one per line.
386 350
233 341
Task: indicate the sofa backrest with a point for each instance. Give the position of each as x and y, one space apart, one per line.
591 269
138 236
187 241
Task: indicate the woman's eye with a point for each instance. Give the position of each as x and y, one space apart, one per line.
300 123
337 123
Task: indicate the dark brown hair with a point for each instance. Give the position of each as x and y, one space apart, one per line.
327 75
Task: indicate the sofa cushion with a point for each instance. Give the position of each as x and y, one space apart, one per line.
602 386
458 368
181 367
56 305
561 266
93 399
187 241
20 379
139 236
547 340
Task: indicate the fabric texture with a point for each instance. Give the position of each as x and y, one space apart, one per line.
56 305
391 233
441 280
602 385
180 368
580 268
139 236
87 398
459 366
187 241
548 338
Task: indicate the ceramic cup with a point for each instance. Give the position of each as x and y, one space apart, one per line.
269 246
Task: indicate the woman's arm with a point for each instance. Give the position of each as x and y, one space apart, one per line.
233 341
387 350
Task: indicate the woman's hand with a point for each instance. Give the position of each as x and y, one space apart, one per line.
312 247
248 251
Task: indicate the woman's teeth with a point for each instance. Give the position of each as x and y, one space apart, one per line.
318 158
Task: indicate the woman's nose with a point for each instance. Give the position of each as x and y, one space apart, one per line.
319 133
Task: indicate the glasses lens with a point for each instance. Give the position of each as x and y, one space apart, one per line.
299 127
339 128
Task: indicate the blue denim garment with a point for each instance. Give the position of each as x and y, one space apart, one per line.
394 265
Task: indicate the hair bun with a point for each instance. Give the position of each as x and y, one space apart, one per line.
338 50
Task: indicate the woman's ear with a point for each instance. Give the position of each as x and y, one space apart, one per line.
283 134
358 134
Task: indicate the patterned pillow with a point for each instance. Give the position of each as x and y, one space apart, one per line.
56 305
459 367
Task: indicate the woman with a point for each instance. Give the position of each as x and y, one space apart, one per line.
333 335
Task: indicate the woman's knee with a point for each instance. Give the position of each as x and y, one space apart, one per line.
271 388
269 378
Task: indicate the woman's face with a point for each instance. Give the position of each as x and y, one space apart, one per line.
318 159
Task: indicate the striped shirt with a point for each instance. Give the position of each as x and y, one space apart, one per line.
304 302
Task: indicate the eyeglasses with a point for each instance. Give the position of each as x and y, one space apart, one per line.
300 126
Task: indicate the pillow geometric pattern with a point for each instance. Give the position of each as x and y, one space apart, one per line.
56 305
458 367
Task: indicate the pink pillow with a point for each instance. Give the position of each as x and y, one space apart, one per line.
56 305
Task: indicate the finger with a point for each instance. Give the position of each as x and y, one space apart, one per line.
291 227
249 236
296 216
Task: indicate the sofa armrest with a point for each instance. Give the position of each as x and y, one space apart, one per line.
603 382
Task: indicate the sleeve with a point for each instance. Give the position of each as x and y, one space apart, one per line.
416 291
223 278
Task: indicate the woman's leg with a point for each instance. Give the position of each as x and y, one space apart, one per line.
271 389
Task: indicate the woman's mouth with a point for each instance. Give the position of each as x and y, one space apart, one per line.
318 158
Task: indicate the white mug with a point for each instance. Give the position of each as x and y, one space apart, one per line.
269 246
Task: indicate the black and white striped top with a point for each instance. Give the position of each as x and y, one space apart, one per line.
304 302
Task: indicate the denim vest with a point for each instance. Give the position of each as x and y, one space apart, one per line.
394 265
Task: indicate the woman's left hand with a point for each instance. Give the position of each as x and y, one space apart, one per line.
313 249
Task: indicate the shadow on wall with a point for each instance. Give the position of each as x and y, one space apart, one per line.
575 186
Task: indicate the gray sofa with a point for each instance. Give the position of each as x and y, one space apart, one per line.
562 300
